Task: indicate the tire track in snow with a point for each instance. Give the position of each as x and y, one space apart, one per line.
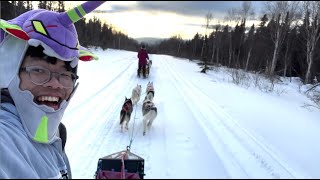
234 141
195 145
95 123
140 144
100 135
90 107
110 145
152 146
87 100
107 126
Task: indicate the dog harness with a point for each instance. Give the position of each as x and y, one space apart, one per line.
126 107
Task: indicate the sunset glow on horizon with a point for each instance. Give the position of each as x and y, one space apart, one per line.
159 19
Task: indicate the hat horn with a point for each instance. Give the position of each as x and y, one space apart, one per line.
77 13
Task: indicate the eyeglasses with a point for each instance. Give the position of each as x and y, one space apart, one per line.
40 76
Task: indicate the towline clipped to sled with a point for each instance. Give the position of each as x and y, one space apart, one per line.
120 165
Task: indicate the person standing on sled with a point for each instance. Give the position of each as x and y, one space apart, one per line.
39 58
143 60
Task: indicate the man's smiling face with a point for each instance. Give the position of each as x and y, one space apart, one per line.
51 93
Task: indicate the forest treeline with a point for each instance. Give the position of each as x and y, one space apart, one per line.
284 43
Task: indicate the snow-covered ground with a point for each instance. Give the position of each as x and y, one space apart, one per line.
206 126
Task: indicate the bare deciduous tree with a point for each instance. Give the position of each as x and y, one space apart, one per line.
284 13
231 15
215 44
207 25
312 32
250 43
241 14
244 12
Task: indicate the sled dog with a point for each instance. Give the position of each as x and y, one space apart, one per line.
136 93
150 63
150 91
125 113
149 112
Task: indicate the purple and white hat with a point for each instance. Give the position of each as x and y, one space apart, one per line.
54 31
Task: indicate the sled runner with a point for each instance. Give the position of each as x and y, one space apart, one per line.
120 165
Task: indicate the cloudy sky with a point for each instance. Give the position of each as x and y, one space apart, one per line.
163 19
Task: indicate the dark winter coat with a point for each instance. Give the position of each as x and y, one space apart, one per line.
143 56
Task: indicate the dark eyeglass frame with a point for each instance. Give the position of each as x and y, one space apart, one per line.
28 69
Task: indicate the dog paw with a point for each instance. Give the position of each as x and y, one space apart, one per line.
144 133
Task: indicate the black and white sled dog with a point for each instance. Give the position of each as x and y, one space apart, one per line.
150 91
125 113
150 63
136 93
149 112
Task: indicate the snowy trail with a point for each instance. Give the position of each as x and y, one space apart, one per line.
251 158
192 137
103 116
160 143
104 106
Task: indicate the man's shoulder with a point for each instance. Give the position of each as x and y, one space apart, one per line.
10 130
9 115
10 125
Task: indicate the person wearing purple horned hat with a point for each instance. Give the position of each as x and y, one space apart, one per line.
38 76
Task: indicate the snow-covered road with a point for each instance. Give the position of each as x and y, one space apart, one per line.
192 136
